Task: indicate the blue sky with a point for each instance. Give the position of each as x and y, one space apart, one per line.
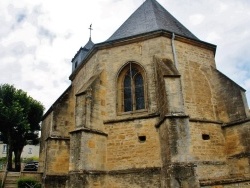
39 38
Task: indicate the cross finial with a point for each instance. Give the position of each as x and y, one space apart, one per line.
90 28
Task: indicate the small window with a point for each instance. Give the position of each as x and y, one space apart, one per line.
205 136
142 138
76 64
5 148
30 151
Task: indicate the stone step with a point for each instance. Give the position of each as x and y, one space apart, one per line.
10 185
11 179
13 174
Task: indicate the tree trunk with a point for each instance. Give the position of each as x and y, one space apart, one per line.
9 153
18 153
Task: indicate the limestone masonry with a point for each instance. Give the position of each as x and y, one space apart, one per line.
147 108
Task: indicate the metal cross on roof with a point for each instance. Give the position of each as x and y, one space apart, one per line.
90 28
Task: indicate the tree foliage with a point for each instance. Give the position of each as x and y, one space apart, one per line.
20 116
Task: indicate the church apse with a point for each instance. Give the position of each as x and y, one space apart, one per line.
147 108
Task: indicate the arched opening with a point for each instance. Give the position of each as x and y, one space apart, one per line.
131 88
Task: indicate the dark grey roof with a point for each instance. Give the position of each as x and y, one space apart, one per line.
82 52
89 44
86 48
150 16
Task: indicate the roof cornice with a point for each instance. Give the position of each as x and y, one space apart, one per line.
138 38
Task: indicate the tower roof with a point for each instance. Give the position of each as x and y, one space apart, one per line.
150 16
89 44
85 49
82 52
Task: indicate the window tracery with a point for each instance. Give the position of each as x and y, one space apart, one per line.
131 94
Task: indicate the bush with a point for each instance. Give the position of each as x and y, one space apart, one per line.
28 182
3 159
30 159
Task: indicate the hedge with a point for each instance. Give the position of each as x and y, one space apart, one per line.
28 182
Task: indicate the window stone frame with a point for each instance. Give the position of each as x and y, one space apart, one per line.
120 88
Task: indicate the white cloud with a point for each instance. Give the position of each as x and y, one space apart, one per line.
39 38
196 19
213 36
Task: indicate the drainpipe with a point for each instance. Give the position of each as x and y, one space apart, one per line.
174 52
177 67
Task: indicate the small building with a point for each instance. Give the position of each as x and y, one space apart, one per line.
29 151
147 108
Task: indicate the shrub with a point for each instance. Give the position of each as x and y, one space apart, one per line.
3 159
30 159
28 182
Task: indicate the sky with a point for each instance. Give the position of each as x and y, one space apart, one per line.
39 38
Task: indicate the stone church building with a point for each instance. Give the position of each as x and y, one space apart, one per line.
147 108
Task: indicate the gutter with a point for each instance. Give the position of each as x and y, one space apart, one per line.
174 52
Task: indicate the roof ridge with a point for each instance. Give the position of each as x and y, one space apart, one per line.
154 11
150 16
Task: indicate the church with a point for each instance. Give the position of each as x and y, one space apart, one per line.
147 108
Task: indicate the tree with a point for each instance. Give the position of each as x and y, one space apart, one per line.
20 116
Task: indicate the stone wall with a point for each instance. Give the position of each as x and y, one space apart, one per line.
87 151
208 94
194 65
55 181
45 132
63 114
145 178
58 157
132 144
54 148
238 148
207 142
139 178
230 101
110 61
178 169
212 170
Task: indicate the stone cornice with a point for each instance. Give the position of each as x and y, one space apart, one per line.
234 123
147 116
170 116
116 172
240 155
222 181
205 121
54 137
88 130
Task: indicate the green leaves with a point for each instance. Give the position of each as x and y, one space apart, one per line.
18 111
20 116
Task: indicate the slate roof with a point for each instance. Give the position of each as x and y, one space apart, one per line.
86 48
89 44
150 16
82 52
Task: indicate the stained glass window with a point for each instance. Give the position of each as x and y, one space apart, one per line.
128 106
133 89
139 92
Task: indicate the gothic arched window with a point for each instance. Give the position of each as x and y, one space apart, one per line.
131 84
